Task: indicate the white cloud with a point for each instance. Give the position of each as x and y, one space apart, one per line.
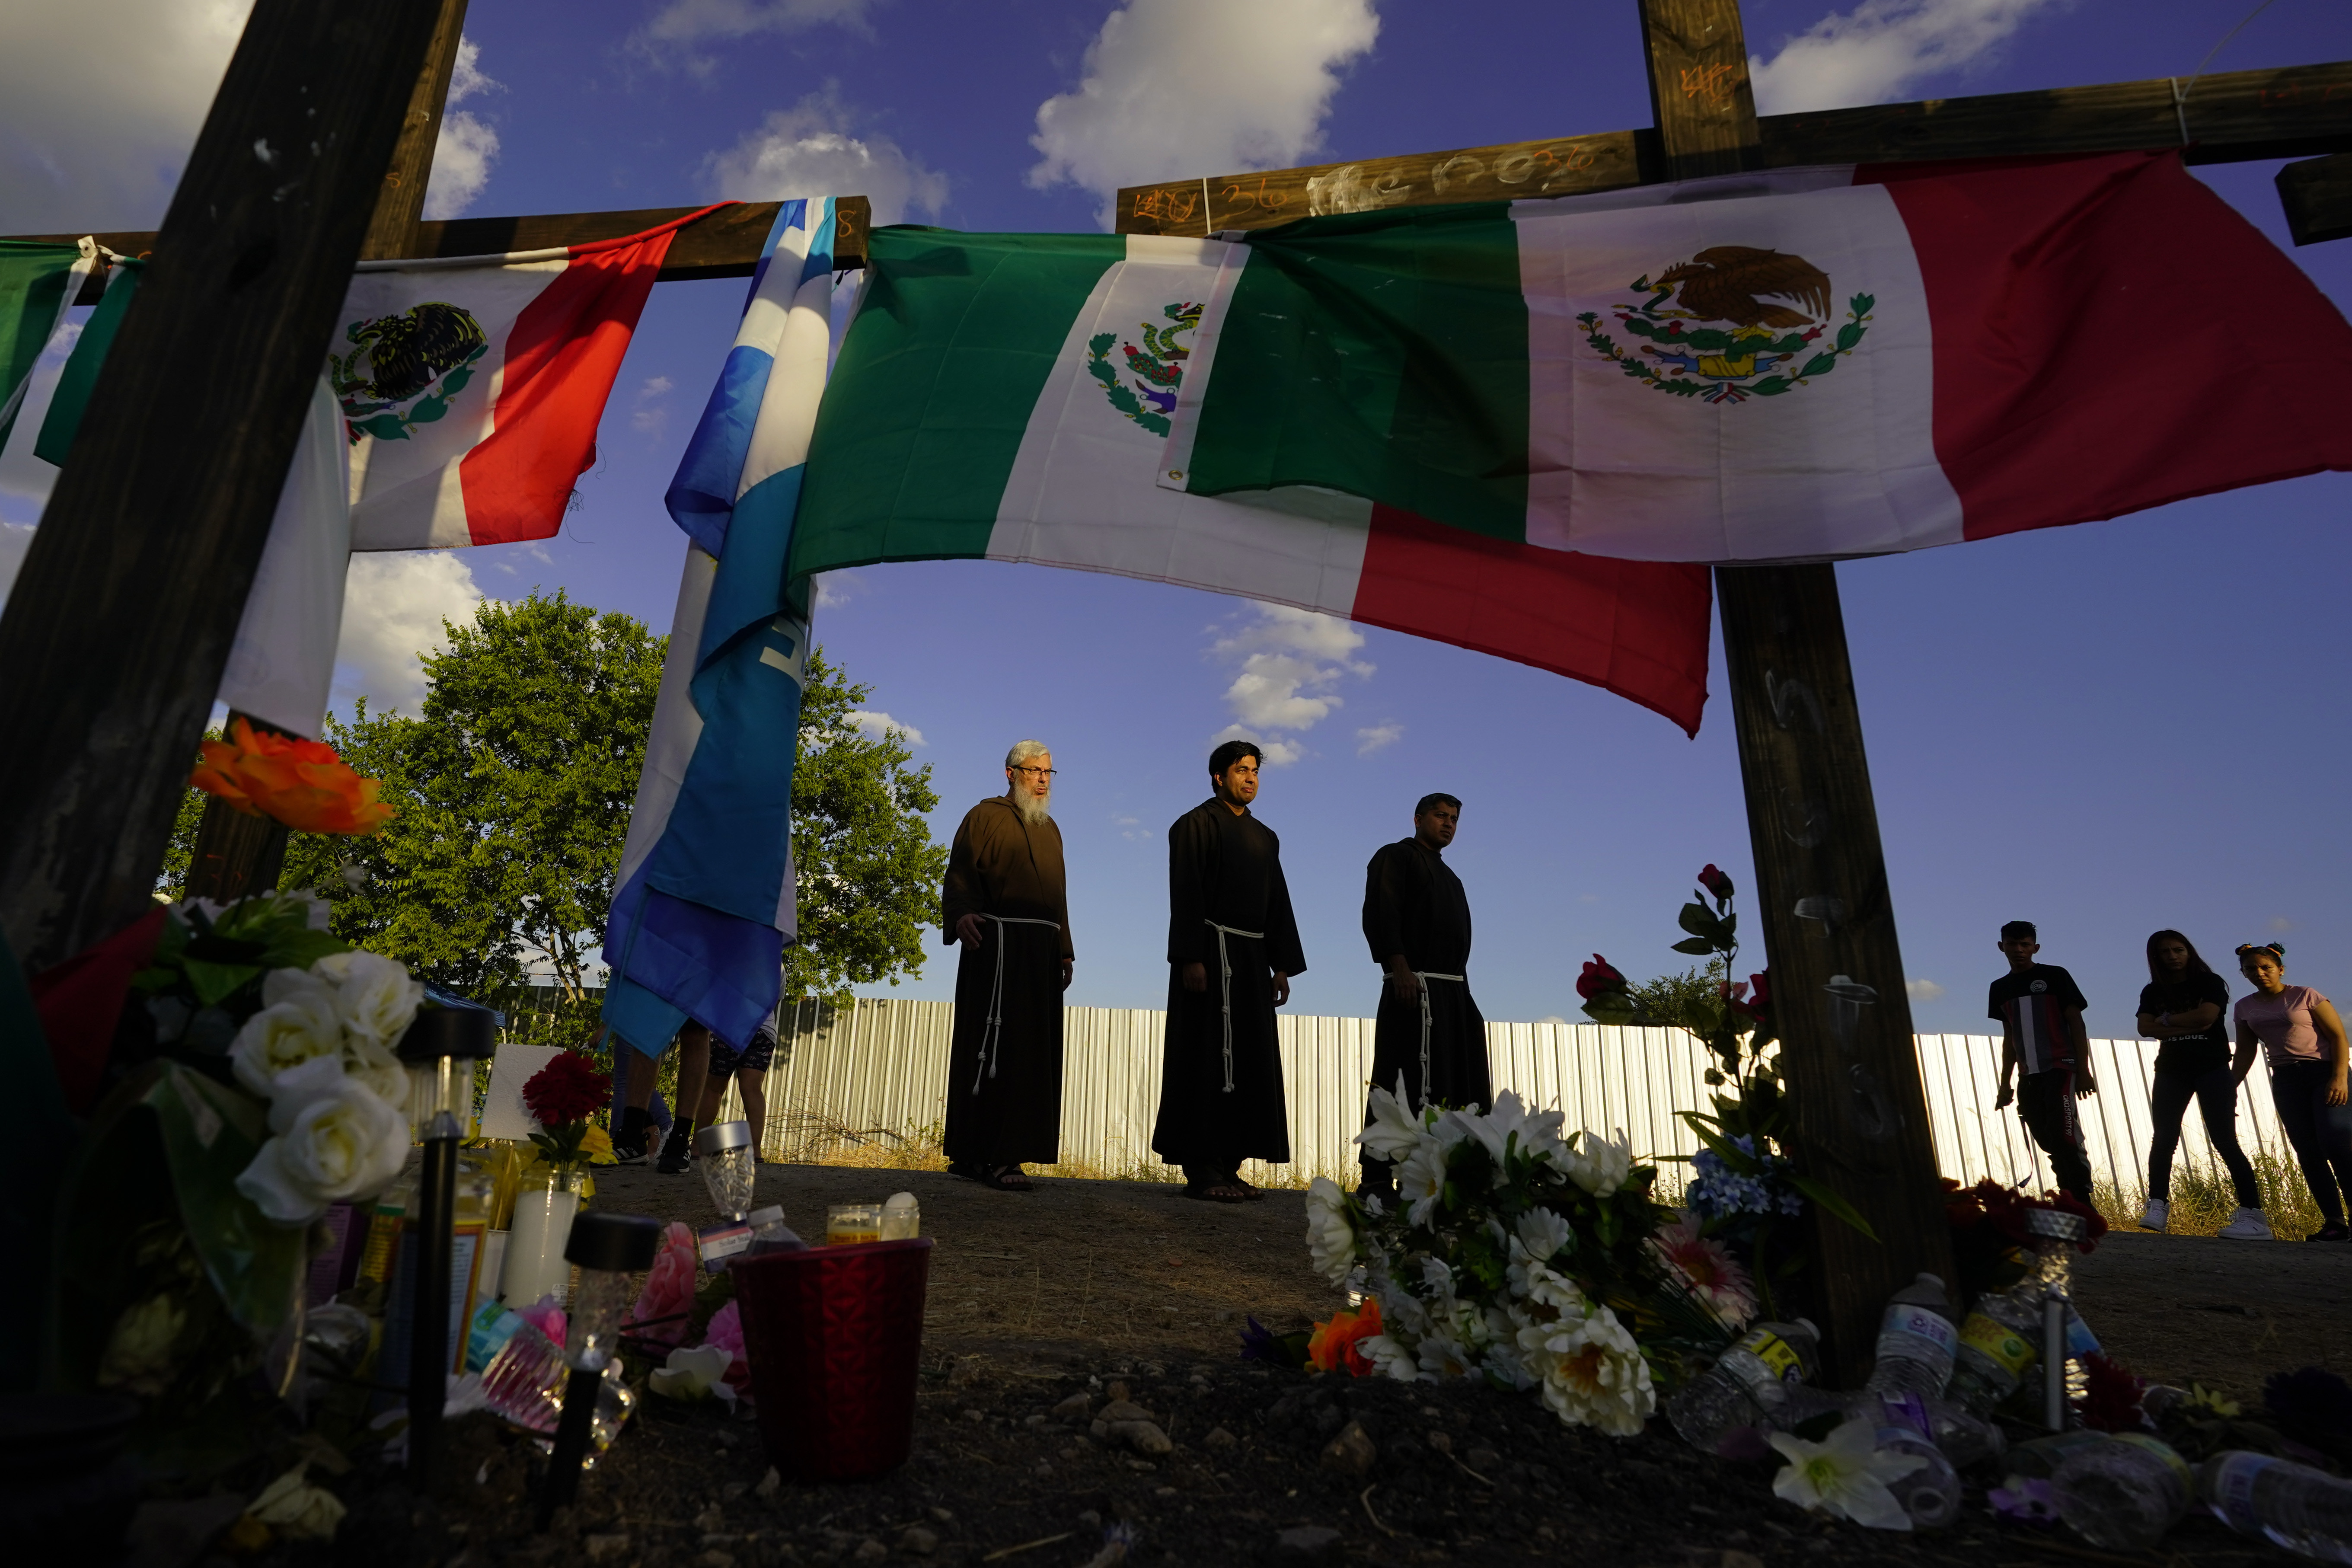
99 106
1388 732
683 23
835 589
1923 990
807 150
1173 87
1273 752
393 604
651 416
1290 664
1552 1018
1872 53
878 726
2281 923
466 147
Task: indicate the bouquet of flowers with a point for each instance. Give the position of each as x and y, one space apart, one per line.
1513 1253
561 1097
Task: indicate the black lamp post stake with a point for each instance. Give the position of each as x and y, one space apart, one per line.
609 1248
440 1047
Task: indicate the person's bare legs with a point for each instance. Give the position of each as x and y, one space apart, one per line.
753 1085
693 1067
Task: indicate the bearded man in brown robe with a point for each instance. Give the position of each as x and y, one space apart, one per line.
1233 946
1007 901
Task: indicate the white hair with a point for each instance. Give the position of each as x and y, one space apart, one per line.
1024 749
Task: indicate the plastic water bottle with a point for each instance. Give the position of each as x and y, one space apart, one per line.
2123 1494
1917 1341
1965 1440
2039 1460
1998 1341
1748 1384
2289 1505
1931 1493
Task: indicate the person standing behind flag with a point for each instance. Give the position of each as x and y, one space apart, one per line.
2041 1013
1233 946
1429 1031
1006 901
2303 1037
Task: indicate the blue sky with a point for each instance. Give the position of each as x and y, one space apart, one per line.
2105 729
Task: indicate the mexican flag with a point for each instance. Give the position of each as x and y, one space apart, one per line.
473 386
1797 364
1008 397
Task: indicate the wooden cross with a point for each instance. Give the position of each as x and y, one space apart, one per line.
1844 1018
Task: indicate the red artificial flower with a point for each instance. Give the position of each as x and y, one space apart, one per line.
1598 976
568 1089
300 782
1334 1343
2111 1397
1716 884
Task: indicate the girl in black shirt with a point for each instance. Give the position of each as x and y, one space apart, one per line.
2184 1006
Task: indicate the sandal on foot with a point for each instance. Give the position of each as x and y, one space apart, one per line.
1008 1179
969 1169
1215 1193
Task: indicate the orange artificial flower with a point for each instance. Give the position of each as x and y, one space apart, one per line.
1333 1344
302 784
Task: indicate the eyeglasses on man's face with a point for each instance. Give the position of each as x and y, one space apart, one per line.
1047 773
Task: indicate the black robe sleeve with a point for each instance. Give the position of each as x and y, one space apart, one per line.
1384 898
1191 855
1284 953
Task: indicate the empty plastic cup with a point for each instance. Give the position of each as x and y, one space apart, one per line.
835 1336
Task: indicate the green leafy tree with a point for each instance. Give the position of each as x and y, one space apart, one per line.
869 869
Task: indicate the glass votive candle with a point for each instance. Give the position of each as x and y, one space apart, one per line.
729 1165
902 1217
848 1224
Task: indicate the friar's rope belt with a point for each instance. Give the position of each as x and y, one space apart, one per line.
1425 979
1225 986
994 1035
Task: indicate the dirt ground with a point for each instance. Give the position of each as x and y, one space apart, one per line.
1109 1290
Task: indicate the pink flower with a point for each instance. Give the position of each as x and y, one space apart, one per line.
726 1331
547 1316
1706 1269
669 1289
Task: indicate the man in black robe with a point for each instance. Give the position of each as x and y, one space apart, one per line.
1007 901
1232 947
1417 921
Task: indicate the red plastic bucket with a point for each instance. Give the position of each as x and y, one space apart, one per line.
835 1336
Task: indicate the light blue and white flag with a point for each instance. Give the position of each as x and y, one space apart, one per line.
706 898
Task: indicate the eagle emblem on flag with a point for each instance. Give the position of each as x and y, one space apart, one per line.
403 370
1731 324
1156 369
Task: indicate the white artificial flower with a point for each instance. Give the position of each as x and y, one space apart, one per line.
1551 1295
1395 1128
316 910
295 1509
1436 1284
281 983
373 993
1402 1313
384 1074
1543 1232
1331 1233
332 1140
1593 1374
1845 1476
1503 1360
1440 1356
694 1373
1600 1166
1420 1180
1393 1356
303 1027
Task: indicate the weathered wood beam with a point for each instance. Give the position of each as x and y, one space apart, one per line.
236 853
724 245
2317 195
2293 111
129 597
1846 1057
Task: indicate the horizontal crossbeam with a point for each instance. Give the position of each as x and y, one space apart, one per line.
2292 113
724 245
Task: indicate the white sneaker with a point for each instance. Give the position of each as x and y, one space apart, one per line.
2249 1225
2156 1215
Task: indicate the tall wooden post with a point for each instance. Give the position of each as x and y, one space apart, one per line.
129 599
236 853
1844 1018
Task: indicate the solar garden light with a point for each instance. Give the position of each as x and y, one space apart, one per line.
439 1049
609 1248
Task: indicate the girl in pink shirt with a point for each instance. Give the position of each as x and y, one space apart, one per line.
2298 1029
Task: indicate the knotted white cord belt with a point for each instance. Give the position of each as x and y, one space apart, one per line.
1425 979
1225 986
993 1036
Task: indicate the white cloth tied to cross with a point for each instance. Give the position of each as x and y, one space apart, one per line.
1225 986
993 1036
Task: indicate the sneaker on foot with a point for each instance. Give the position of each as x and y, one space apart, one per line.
2157 1214
2330 1233
678 1150
2247 1226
